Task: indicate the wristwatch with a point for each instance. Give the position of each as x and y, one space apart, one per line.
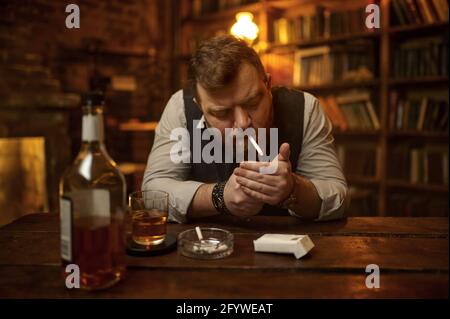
288 202
218 200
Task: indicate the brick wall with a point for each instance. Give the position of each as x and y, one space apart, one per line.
37 27
45 65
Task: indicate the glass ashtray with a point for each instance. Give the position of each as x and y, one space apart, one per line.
216 243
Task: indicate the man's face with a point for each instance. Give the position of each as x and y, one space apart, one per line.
244 103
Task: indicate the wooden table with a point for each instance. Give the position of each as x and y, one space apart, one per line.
412 254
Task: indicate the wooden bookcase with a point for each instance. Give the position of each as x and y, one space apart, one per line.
188 28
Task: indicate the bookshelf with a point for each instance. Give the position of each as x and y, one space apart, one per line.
395 184
322 41
384 45
338 86
429 80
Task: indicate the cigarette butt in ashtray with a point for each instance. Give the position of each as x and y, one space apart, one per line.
207 246
199 233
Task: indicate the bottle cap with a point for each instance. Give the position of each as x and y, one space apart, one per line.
92 98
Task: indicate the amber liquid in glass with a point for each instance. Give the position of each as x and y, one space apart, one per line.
149 226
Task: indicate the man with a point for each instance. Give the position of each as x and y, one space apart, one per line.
230 89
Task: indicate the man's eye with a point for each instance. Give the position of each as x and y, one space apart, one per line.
220 113
252 104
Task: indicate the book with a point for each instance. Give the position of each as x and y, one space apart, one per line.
419 11
320 22
419 164
353 110
358 110
424 9
412 6
200 7
433 166
373 115
421 204
306 64
328 64
337 114
419 110
423 110
364 201
442 9
280 67
393 97
420 57
358 159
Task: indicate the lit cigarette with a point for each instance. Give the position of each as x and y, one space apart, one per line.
256 146
199 233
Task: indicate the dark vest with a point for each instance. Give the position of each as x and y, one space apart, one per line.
288 118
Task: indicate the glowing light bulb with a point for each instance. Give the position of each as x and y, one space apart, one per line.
244 27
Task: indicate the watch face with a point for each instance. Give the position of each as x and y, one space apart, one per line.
288 202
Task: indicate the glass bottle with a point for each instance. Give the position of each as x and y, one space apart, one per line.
93 206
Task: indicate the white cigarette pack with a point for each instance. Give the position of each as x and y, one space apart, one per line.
299 245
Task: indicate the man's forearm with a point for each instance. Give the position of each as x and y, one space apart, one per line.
201 205
307 205
308 202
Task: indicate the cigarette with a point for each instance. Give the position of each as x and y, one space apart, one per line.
256 146
199 233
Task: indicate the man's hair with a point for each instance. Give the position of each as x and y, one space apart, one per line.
217 61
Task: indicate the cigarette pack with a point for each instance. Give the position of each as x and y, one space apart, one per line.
299 245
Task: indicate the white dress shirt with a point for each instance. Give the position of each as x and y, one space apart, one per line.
317 162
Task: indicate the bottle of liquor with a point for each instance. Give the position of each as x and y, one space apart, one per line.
93 206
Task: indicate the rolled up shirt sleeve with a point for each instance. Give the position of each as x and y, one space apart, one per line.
319 163
161 172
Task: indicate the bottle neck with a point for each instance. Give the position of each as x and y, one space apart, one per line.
93 129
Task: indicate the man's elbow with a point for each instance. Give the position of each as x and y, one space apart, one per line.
337 205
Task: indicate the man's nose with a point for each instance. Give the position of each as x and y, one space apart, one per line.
241 118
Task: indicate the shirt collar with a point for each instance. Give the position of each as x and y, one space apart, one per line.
201 123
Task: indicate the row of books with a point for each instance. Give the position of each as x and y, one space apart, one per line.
364 201
419 11
418 205
351 111
421 57
302 28
327 64
426 164
419 111
280 67
322 23
358 158
200 7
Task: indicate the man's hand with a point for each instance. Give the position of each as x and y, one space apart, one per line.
238 202
268 188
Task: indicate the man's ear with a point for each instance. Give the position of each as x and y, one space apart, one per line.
196 102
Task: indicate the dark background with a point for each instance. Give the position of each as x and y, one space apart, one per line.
146 45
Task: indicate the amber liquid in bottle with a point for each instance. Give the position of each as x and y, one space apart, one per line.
93 207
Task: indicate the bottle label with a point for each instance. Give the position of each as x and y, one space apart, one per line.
92 128
91 203
65 209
